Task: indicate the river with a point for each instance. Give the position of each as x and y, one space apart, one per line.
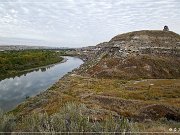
14 91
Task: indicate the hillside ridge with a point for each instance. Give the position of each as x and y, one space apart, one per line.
151 33
139 54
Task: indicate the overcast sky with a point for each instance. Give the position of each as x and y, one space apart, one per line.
76 23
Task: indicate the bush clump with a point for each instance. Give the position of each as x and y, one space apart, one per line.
71 118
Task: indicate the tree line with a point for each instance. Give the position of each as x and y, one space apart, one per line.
12 62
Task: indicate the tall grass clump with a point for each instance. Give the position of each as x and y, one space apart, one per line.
7 122
71 118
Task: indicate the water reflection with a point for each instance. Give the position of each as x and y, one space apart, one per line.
15 90
43 69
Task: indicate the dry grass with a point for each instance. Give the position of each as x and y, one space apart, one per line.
151 90
73 117
144 66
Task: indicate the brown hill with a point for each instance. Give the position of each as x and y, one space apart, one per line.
139 54
148 34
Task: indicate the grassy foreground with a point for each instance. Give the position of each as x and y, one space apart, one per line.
71 118
13 62
75 119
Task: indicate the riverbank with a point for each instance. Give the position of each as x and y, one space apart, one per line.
15 63
46 66
30 70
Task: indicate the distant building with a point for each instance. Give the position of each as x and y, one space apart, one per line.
166 28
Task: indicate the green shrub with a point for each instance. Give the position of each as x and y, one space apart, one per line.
71 118
7 122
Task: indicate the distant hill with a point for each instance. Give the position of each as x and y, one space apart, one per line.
139 54
27 43
26 47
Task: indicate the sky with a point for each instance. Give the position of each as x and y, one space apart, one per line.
77 23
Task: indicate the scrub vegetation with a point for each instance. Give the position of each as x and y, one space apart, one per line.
70 118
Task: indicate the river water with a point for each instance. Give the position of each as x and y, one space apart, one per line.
15 90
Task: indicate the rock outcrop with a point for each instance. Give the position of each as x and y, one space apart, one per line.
139 54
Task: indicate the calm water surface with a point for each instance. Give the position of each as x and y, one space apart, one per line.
15 90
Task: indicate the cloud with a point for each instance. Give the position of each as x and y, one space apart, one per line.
79 23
